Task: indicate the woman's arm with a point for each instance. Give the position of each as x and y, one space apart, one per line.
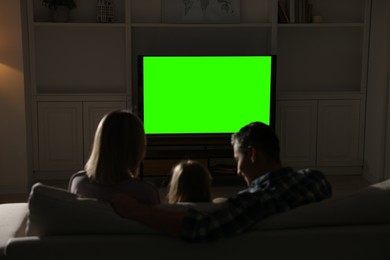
168 221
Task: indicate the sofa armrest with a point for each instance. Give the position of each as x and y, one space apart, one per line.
13 218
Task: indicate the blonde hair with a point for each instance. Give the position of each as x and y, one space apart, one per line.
190 182
118 148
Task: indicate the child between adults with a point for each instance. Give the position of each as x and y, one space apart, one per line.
113 166
190 182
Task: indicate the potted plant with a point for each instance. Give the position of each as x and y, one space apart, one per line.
59 9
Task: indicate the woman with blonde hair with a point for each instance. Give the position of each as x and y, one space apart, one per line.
190 182
113 166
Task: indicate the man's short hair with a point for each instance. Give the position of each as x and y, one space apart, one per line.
260 136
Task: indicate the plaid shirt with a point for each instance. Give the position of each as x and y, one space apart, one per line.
272 193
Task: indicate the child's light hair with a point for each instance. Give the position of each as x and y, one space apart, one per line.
190 182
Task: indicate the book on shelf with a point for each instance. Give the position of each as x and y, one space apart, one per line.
308 12
298 11
292 10
282 13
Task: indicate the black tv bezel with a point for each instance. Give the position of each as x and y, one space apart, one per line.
194 138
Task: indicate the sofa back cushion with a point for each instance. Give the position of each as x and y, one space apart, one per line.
54 211
369 206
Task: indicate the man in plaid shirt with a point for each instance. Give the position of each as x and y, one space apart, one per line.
272 189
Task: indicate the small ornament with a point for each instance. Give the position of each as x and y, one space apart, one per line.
105 11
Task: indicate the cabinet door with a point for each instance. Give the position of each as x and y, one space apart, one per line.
60 145
339 133
296 125
93 113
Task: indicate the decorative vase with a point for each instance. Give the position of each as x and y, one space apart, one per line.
60 14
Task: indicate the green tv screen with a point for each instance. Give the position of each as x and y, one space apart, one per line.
205 94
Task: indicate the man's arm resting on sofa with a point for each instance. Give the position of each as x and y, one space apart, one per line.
168 221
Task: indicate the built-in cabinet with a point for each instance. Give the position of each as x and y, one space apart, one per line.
297 129
60 136
65 131
321 133
81 69
339 133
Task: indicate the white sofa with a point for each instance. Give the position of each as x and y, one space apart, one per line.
58 225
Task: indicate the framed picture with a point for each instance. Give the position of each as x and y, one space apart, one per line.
200 11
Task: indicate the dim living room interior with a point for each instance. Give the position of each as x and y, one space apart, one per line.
332 112
368 85
360 37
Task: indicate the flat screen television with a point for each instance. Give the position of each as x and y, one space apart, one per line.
205 95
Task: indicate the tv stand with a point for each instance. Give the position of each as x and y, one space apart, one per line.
164 152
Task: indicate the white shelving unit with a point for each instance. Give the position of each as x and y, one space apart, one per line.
322 85
92 67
